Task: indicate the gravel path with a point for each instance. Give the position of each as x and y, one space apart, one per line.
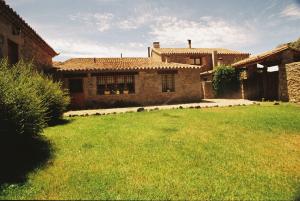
206 103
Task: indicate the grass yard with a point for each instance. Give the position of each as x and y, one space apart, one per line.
246 152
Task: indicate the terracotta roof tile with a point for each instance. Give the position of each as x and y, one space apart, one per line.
260 57
169 51
8 12
96 64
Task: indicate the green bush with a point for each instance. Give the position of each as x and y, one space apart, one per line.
21 109
53 97
295 44
28 100
226 80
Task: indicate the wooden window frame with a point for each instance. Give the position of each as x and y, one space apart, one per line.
121 84
168 82
194 61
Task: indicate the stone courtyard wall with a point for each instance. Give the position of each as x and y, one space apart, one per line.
293 81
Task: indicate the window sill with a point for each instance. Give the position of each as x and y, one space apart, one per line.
116 94
168 92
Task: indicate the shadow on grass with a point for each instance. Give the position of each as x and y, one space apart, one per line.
60 122
297 197
19 155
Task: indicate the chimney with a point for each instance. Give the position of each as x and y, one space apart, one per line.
94 60
214 58
190 43
156 45
149 51
121 55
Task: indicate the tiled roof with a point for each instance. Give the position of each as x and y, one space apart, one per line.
260 57
7 12
96 64
169 51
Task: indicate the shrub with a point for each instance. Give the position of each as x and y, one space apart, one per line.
53 97
293 44
28 100
21 109
225 80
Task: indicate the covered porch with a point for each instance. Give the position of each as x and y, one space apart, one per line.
264 76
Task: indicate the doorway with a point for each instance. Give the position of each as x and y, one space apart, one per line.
262 86
76 92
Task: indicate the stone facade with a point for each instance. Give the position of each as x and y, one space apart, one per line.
286 57
148 89
206 59
293 81
209 61
27 44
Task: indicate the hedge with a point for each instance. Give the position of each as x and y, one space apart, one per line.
28 100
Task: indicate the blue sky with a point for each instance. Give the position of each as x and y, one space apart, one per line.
107 28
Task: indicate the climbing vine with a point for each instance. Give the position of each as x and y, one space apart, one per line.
226 80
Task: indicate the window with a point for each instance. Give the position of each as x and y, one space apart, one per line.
1 46
115 84
168 82
195 61
75 86
13 52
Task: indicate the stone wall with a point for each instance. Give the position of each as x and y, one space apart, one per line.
286 58
28 49
148 89
207 88
31 50
206 59
293 81
228 59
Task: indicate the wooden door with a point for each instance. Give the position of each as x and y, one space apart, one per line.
76 93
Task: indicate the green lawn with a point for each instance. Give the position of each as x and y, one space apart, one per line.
246 152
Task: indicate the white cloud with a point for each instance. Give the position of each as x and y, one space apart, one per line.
102 22
73 48
291 11
205 32
135 22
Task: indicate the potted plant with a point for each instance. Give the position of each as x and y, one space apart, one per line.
126 91
106 92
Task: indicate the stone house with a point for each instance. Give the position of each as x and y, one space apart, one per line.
207 58
19 41
272 75
168 75
108 82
